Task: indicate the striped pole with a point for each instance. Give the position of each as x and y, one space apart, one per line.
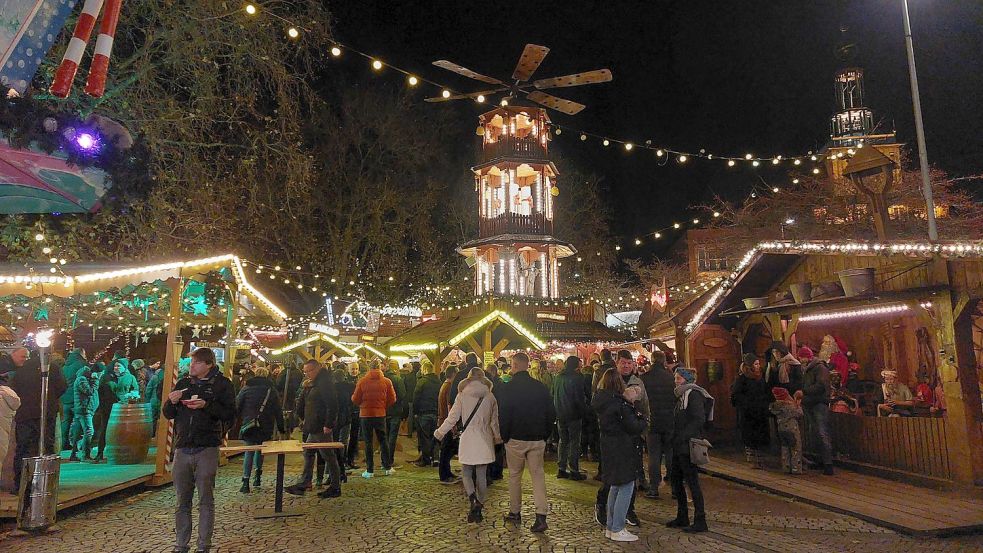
65 75
95 85
169 445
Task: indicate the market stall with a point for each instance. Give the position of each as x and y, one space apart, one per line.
154 310
901 311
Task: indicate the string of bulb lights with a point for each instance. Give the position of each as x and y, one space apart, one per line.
681 156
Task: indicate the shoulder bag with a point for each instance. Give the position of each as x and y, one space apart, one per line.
459 428
251 427
699 451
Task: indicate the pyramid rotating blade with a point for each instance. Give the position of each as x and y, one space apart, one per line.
451 66
577 79
529 61
559 104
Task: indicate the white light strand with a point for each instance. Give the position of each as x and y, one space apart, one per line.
865 312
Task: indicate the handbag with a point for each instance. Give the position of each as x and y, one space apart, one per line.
699 451
251 426
459 429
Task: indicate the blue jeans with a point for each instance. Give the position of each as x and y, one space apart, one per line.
619 497
80 435
249 458
818 418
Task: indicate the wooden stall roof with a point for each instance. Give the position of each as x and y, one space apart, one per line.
80 279
769 262
452 331
579 331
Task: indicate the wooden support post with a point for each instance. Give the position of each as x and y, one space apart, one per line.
478 350
486 342
232 309
172 354
960 381
500 346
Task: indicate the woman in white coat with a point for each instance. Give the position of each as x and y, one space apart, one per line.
475 402
9 402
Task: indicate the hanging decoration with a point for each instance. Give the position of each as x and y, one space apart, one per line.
95 86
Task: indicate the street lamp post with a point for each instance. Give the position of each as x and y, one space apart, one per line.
933 233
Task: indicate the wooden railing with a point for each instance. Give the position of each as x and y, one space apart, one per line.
911 444
513 223
507 146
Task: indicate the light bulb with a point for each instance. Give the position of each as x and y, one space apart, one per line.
53 260
638 242
504 102
755 163
583 137
292 32
446 93
629 146
696 221
775 190
557 131
335 51
675 225
797 162
250 9
731 163
46 250
774 161
748 156
39 237
716 214
480 99
413 80
659 153
658 235
795 181
606 142
683 158
376 64
815 171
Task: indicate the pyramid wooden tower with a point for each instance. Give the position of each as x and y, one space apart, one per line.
515 253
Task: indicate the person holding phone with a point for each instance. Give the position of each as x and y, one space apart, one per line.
202 406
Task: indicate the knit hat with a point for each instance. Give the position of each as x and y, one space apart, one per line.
749 359
689 375
805 352
781 394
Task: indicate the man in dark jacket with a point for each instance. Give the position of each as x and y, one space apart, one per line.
659 387
287 384
202 407
411 373
344 387
425 411
815 403
27 421
397 411
320 412
73 364
570 399
526 417
470 361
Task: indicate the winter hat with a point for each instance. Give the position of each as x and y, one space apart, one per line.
689 375
805 352
781 394
889 373
749 359
781 347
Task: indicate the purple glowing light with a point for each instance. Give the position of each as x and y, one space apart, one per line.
87 142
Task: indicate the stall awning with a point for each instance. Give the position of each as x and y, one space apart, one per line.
463 331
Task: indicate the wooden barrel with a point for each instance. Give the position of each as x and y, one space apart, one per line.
128 433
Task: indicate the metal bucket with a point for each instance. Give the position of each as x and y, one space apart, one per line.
857 282
38 492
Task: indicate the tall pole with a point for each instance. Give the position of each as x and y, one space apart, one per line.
933 233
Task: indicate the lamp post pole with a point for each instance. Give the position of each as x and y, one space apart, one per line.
933 233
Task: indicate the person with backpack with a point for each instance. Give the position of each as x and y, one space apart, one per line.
258 404
474 417
694 408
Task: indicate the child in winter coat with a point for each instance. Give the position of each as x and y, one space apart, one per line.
787 413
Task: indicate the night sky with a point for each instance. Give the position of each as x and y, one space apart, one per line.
730 77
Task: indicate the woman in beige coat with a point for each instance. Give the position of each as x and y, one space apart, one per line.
9 402
478 440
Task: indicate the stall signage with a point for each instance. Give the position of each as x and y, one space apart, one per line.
550 316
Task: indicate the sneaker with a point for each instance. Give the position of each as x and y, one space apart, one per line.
390 472
366 474
577 476
623 535
632 519
607 533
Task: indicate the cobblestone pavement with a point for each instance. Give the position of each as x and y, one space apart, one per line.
411 512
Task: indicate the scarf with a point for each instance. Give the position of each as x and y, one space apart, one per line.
683 392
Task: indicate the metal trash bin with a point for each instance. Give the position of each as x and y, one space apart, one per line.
38 492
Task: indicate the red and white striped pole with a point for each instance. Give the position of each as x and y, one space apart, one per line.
95 85
65 74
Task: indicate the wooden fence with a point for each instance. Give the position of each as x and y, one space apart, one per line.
911 444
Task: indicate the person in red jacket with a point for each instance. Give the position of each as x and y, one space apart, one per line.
374 393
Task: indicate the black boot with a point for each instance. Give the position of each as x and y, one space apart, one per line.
514 518
473 500
699 525
256 479
540 525
681 520
245 486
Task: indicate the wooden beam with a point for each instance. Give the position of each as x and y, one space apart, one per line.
478 350
486 343
962 397
500 346
232 309
172 354
324 357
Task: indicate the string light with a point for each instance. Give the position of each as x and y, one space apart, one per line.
731 163
292 32
865 312
606 142
377 65
446 93
251 9
480 99
39 237
413 80
682 158
628 145
335 51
